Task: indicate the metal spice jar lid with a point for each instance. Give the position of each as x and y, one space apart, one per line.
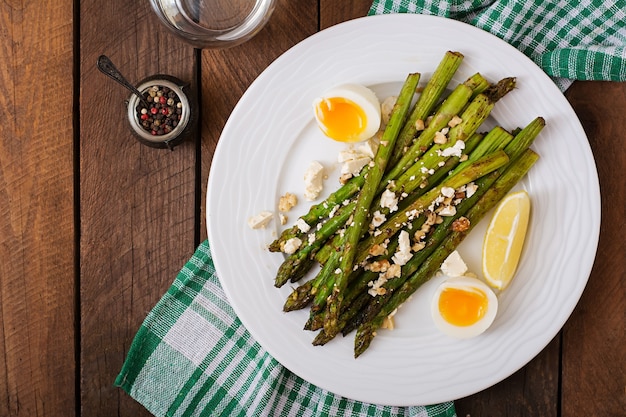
171 114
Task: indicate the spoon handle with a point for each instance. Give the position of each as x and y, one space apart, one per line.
105 65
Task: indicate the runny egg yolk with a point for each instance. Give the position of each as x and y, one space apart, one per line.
341 119
463 307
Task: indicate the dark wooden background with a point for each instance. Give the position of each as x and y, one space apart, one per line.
95 226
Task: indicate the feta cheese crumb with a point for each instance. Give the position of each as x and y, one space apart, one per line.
260 220
292 245
302 225
389 200
352 161
454 150
283 219
454 266
369 147
403 253
313 181
447 211
447 191
470 189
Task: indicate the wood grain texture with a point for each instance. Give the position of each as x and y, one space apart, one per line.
94 226
531 391
36 210
137 204
594 352
334 12
227 73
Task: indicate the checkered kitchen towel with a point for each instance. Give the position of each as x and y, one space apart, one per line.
569 39
193 357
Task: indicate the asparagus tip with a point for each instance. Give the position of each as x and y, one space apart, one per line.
501 88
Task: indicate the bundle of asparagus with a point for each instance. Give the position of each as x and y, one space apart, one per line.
385 232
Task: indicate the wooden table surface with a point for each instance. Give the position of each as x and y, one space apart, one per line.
94 226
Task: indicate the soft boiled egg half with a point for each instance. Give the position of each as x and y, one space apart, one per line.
348 113
463 307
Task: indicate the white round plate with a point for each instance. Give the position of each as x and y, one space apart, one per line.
271 138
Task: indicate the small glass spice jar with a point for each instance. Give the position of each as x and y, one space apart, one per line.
170 116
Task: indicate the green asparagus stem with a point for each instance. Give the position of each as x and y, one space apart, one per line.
511 176
439 232
367 194
427 100
496 139
453 104
298 264
475 170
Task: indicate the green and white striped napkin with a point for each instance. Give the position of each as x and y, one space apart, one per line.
569 39
193 357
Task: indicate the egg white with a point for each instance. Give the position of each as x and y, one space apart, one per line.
464 332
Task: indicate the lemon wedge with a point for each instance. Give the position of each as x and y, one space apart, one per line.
504 239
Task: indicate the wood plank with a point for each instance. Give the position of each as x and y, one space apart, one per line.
37 236
531 391
227 73
594 353
137 214
334 12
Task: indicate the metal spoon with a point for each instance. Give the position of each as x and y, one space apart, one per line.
105 65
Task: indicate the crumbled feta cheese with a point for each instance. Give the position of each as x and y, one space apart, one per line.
454 150
346 155
313 181
292 245
354 166
447 191
378 218
454 266
302 225
369 147
283 219
260 220
470 189
403 253
389 200
447 211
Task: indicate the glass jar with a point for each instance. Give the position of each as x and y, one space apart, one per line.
214 23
